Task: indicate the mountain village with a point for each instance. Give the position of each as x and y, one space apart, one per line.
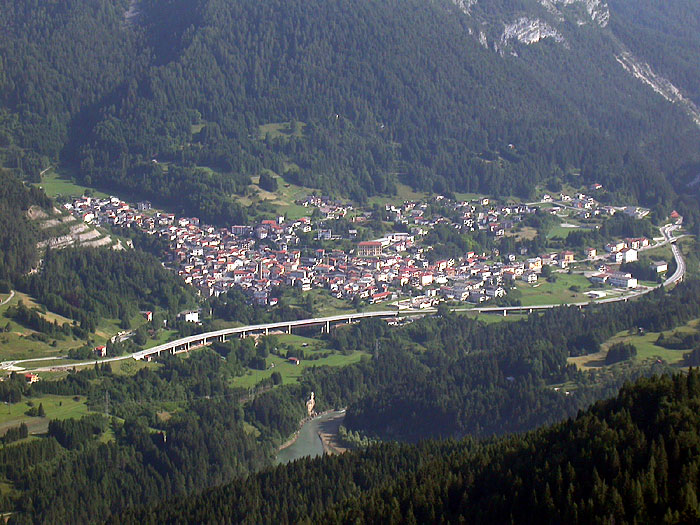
263 257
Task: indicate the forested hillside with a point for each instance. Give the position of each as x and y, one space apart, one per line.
468 378
663 34
181 427
18 236
168 103
58 62
104 283
632 459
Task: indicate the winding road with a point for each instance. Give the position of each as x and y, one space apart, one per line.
9 298
186 344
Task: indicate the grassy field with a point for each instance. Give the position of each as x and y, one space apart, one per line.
554 293
128 367
560 232
645 345
163 336
17 343
281 129
308 344
379 307
283 200
324 303
291 372
55 184
474 196
403 193
527 233
56 407
663 253
30 302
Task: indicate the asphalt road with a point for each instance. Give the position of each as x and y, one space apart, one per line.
667 232
9 298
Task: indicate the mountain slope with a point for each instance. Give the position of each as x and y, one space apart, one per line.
493 97
632 459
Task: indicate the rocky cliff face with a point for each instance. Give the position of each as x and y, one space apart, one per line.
597 10
529 31
541 21
664 87
556 20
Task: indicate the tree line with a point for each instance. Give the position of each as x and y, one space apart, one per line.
631 459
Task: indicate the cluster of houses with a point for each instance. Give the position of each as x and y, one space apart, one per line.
623 251
479 214
624 279
587 207
262 257
626 251
216 259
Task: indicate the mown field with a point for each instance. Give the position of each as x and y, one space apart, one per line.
56 184
645 345
291 372
558 292
55 407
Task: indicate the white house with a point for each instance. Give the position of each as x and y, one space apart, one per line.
629 255
659 266
529 277
189 316
622 280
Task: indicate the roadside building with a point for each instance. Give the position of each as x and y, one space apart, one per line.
600 278
622 280
534 263
529 277
659 266
31 378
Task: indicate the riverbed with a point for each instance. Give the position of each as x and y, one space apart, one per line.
308 441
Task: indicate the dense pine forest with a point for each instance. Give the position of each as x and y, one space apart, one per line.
476 379
18 236
632 459
180 427
103 283
375 93
187 103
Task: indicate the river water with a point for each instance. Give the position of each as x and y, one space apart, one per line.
308 443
